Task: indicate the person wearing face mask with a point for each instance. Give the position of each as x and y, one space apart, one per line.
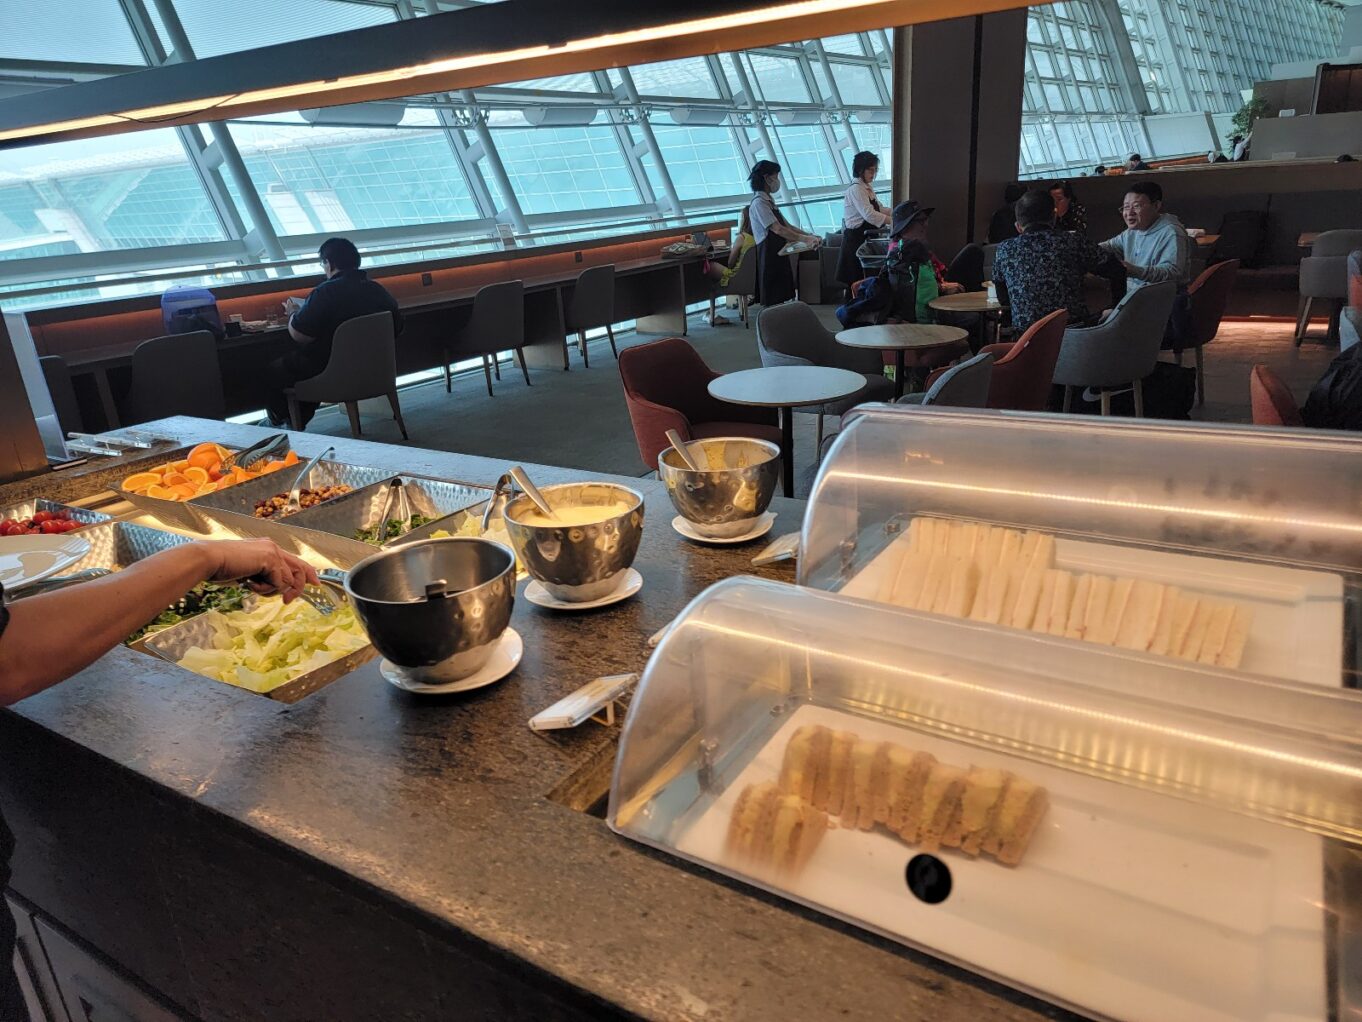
772 232
346 293
862 214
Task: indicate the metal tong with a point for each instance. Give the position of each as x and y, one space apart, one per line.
396 507
270 446
295 494
502 494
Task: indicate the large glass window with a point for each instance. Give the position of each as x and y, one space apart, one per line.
556 170
1083 104
128 191
326 179
590 164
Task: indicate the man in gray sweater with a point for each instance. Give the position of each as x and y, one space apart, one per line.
1154 246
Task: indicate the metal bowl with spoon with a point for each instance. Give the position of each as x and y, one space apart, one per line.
435 608
580 548
732 486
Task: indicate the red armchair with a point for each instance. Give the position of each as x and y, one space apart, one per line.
1206 301
1273 403
666 386
1024 371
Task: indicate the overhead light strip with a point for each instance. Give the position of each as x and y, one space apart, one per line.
697 26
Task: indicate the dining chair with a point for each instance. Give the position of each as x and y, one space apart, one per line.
1324 278
964 385
1120 351
743 284
592 305
496 324
1024 369
666 386
791 334
1271 399
178 374
363 364
57 376
1206 301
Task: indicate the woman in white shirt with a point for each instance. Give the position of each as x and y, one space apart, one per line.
861 214
772 232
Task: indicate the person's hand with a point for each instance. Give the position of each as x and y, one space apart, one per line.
950 287
261 564
1131 268
813 239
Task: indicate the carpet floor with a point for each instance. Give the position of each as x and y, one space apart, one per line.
578 419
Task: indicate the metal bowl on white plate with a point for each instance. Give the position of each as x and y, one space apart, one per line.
435 608
578 563
735 487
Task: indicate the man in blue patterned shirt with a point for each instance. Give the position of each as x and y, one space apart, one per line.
1042 269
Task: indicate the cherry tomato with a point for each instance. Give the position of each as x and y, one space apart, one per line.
43 516
51 528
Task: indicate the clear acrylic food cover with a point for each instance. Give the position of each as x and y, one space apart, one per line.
1260 526
1132 851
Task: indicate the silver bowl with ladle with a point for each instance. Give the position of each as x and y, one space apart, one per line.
576 539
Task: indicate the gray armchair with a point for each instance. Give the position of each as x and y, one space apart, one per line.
964 385
1324 278
791 334
363 364
1120 351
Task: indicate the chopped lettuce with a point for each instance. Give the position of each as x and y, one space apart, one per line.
264 647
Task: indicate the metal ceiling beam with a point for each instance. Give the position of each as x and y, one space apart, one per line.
479 46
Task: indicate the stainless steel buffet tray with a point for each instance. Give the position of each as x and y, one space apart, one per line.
28 508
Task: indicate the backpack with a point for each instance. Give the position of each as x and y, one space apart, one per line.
1335 402
870 306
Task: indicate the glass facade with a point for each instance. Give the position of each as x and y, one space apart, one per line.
1095 69
554 158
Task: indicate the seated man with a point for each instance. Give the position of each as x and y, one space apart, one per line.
1042 269
346 293
1351 317
1154 248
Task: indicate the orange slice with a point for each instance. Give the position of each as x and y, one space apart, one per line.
291 458
196 475
205 488
173 479
141 480
183 491
178 466
160 492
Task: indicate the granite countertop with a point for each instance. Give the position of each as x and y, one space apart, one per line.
361 776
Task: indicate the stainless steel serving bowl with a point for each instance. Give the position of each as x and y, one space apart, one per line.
437 607
722 502
578 563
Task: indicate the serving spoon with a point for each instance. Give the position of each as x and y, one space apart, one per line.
532 491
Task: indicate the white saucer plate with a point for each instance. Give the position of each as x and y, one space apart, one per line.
630 583
504 659
762 526
28 559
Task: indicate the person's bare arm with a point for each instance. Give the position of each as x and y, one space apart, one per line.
51 636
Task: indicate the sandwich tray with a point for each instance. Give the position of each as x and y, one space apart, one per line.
1127 904
1298 615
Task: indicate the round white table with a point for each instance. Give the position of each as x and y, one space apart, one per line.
899 338
787 388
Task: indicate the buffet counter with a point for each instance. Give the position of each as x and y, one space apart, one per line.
367 853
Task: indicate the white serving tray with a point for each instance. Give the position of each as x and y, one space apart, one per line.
1128 905
1297 631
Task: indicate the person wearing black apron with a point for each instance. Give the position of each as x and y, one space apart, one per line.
862 214
772 232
